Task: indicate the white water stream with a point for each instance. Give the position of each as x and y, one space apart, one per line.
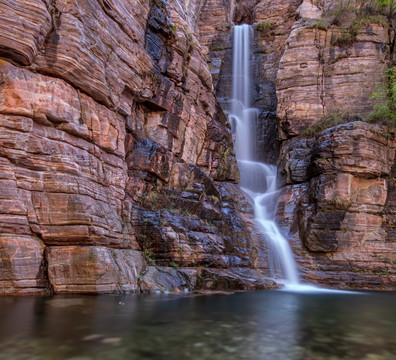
258 180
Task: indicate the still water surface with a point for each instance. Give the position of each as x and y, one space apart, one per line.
273 325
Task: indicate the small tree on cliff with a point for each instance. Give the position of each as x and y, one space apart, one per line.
385 7
385 100
388 5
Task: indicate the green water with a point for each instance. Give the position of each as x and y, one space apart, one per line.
271 325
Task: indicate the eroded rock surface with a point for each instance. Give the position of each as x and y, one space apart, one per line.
116 159
341 207
337 187
117 172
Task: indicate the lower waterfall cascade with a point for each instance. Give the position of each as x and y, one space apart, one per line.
257 179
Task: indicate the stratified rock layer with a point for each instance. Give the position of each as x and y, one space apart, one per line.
116 165
114 153
339 207
316 78
312 60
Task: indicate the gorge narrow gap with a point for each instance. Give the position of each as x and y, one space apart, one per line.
257 179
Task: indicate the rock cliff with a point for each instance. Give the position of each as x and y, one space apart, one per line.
117 171
316 65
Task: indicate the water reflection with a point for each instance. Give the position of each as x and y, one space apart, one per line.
259 325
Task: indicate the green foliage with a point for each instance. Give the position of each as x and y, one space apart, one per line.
332 119
366 20
151 199
217 48
347 36
385 101
340 203
224 26
185 212
148 253
173 28
388 260
206 222
174 265
321 24
389 5
263 26
352 16
384 114
214 198
370 7
147 247
384 272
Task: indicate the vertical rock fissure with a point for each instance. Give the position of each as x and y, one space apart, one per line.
52 38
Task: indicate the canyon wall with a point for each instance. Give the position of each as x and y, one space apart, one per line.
117 169
117 172
317 62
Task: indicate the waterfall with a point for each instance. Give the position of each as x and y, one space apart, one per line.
258 180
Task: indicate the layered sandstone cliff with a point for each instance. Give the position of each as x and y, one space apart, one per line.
117 171
338 184
116 165
336 203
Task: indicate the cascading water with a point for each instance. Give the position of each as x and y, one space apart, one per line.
258 180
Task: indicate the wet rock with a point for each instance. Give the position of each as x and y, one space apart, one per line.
183 280
233 279
294 161
217 153
149 156
165 279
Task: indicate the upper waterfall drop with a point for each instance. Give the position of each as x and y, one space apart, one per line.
258 180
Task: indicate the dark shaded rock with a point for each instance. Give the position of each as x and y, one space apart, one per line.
148 156
294 161
233 279
165 279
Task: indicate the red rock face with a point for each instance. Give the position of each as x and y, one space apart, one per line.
116 163
338 215
114 153
337 200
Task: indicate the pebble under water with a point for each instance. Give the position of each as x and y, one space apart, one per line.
273 325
